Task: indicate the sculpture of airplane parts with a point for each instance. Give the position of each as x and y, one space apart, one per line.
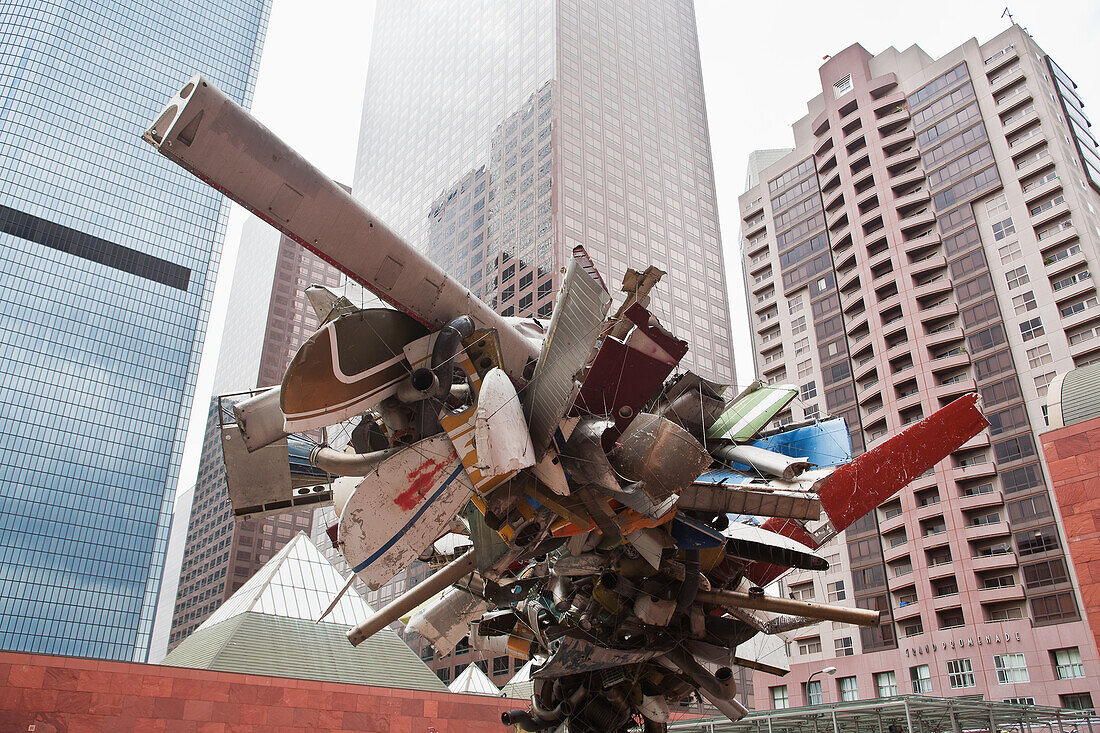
624 516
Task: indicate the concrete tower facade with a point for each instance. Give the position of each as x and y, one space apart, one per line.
933 233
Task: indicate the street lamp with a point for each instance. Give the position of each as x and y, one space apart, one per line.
827 670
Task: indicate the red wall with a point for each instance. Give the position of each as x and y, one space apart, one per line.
1073 456
69 695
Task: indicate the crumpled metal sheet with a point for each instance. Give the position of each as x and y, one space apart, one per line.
574 656
574 328
662 455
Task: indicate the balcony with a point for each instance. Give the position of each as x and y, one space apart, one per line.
962 386
1039 219
1044 189
904 402
751 228
1000 595
921 216
942 603
1001 58
849 300
864 366
1004 81
994 562
934 313
981 440
888 525
1082 287
893 117
1058 261
928 511
986 531
980 501
890 554
1013 99
888 302
845 279
925 240
898 136
943 570
908 175
977 470
942 336
1080 319
906 611
903 154
933 287
1016 124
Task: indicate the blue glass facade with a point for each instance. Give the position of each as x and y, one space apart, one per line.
107 260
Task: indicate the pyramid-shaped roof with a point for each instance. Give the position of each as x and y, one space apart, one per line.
269 627
299 582
474 682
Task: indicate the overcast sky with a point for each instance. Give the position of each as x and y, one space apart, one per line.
759 62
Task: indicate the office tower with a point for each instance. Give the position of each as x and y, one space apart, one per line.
931 234
497 136
109 257
269 318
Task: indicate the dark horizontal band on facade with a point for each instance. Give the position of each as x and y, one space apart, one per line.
65 239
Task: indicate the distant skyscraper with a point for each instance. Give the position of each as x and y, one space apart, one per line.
269 318
108 254
497 136
934 232
589 121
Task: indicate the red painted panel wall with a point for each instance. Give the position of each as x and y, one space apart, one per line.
1073 456
69 695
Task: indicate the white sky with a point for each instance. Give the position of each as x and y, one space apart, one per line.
759 62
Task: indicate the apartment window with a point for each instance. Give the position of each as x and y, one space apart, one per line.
843 646
1020 700
886 684
805 368
794 305
500 665
1010 252
814 695
809 390
836 591
801 346
1039 356
960 673
809 645
1031 328
802 591
1042 382
842 87
780 701
1024 303
1003 228
1017 277
444 674
1067 663
921 677
1076 701
1011 668
849 691
798 325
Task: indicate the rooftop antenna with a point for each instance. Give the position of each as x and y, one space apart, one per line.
1009 14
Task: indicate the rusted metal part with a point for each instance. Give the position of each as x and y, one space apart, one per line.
452 573
739 500
735 599
660 454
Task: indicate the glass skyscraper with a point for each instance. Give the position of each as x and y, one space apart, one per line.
107 257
